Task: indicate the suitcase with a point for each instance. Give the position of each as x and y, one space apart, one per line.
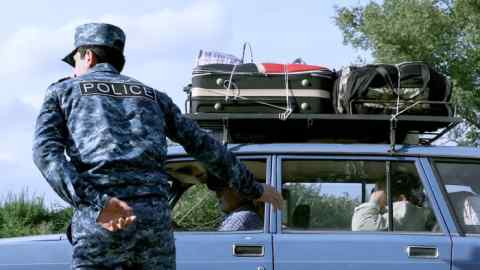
261 88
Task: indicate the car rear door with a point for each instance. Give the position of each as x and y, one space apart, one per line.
314 231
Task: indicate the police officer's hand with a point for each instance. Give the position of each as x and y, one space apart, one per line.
116 215
270 195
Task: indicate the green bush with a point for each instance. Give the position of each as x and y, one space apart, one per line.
23 214
326 211
197 210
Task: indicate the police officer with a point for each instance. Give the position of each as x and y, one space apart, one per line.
100 142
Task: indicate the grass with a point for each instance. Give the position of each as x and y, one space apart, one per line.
25 214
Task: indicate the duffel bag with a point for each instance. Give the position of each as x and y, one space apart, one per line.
411 88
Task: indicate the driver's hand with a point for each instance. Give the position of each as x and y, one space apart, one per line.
270 195
380 198
117 215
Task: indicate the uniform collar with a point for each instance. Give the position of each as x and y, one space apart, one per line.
103 67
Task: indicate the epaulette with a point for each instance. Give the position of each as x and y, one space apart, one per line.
61 80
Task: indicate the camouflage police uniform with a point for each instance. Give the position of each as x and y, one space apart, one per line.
103 135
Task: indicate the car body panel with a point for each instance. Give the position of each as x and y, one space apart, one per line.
203 251
466 252
51 252
296 250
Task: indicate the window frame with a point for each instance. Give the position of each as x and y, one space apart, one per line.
456 220
268 179
416 162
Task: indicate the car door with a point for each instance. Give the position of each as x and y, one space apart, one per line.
456 183
325 225
198 243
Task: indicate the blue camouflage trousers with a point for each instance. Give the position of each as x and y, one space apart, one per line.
146 244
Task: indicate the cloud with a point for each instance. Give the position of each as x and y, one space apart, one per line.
160 50
31 55
18 171
167 33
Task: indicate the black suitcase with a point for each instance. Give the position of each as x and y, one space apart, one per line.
261 88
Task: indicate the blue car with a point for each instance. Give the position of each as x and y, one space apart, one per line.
347 206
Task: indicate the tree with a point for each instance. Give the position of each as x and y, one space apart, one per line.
326 211
197 210
443 33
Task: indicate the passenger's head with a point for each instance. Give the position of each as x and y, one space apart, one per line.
231 200
403 188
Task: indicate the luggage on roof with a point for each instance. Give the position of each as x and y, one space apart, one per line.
261 88
388 89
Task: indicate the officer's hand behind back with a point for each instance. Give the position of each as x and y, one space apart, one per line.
117 215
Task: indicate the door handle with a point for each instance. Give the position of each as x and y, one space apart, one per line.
248 250
422 252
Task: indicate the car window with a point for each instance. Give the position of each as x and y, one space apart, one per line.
351 195
197 210
215 207
462 185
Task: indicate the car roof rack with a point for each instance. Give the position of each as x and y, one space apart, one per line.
335 128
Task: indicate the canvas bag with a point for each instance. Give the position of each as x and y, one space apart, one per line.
387 89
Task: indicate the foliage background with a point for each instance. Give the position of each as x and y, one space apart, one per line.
198 210
443 33
26 214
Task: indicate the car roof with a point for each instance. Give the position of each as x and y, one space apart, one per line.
344 149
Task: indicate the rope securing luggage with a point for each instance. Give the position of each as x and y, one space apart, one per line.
261 88
222 83
412 87
273 102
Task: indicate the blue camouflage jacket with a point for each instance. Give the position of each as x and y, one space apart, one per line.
103 134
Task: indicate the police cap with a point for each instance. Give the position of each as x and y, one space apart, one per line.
101 34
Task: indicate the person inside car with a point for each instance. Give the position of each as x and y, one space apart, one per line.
241 214
467 206
373 215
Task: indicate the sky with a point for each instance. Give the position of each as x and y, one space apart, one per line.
163 39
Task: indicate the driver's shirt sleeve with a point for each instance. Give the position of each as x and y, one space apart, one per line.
218 159
368 217
49 146
241 221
